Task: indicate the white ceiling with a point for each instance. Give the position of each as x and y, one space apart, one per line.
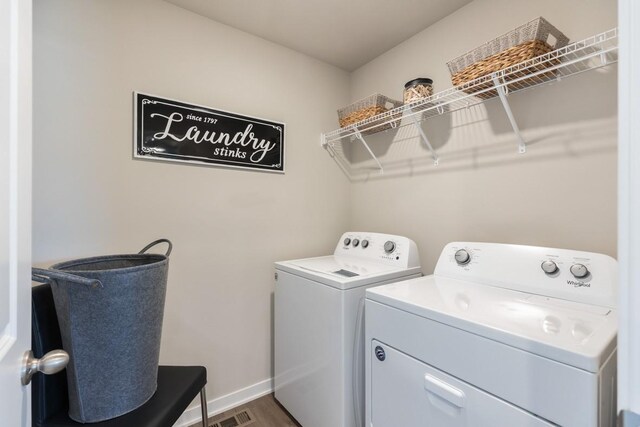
345 33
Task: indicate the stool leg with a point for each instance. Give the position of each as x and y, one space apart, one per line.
203 405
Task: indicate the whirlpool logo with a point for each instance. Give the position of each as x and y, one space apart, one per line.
578 284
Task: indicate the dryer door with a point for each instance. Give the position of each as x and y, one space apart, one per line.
407 392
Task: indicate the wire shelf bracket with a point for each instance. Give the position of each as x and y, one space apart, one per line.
358 135
502 93
425 140
332 153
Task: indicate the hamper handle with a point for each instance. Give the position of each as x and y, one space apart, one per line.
42 275
152 244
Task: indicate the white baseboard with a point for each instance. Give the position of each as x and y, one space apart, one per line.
226 402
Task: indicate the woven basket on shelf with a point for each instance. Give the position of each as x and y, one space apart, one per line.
532 39
369 107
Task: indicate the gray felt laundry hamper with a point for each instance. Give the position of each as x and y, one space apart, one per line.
110 311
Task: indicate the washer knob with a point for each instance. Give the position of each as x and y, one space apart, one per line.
355 243
365 244
579 271
389 246
462 256
549 267
347 241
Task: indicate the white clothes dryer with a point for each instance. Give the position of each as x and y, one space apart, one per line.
499 335
319 329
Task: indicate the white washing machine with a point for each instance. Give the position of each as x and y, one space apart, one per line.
319 329
499 335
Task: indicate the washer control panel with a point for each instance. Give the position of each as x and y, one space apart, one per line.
378 247
567 274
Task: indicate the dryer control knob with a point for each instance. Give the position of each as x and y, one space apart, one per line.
389 246
579 271
549 267
355 243
462 257
365 244
347 241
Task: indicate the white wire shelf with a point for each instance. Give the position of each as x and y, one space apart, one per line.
594 52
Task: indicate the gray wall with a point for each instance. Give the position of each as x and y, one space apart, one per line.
561 193
228 226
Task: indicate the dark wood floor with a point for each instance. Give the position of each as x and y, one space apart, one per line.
266 410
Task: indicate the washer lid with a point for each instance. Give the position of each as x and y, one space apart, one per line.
576 334
344 272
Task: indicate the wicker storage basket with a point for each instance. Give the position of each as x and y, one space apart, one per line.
532 39
366 108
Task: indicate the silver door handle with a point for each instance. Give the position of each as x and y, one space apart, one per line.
51 363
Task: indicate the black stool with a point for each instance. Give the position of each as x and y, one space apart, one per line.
177 385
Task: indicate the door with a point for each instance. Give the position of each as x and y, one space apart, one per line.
629 212
408 392
15 208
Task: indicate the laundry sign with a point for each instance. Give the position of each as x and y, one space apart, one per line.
170 130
